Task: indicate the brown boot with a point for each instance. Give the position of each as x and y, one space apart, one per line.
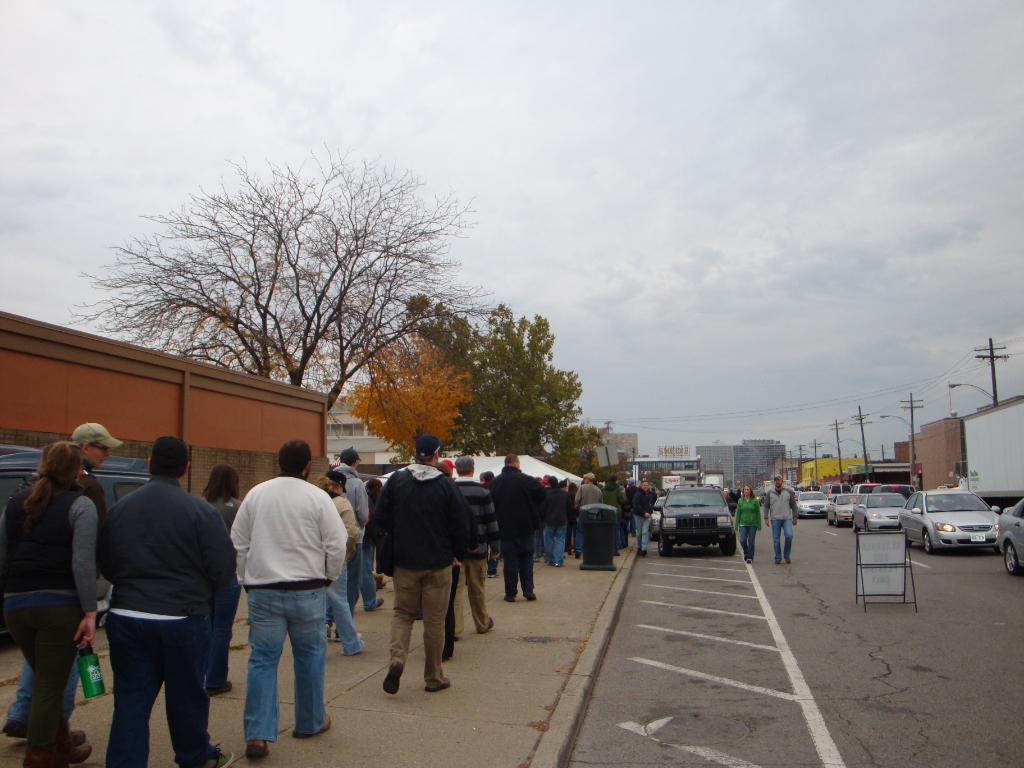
39 758
66 752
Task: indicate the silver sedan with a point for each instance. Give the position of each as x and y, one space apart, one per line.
876 511
840 509
950 519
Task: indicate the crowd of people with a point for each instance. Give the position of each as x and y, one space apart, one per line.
305 553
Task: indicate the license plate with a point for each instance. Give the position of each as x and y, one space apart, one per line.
977 537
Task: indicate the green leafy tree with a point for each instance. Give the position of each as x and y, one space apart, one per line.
576 449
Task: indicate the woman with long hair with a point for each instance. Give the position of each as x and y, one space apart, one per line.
339 611
748 521
48 546
222 492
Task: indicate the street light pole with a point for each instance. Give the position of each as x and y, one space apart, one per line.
839 450
912 406
817 480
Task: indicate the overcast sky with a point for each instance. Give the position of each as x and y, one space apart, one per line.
721 207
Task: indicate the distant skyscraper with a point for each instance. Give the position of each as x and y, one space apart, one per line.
749 462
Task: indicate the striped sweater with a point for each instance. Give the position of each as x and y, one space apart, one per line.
480 504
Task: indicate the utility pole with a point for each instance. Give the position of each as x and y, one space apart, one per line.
989 353
863 443
839 452
816 445
800 462
912 406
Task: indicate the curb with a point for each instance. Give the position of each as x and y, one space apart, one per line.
556 743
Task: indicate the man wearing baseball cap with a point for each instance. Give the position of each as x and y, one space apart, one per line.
95 442
427 522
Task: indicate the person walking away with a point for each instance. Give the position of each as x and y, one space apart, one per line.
573 517
643 508
338 609
589 493
355 492
291 544
485 522
517 498
48 549
95 444
613 495
372 536
748 521
780 507
167 553
493 558
627 509
222 492
424 517
557 508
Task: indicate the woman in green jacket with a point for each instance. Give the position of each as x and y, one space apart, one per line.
748 521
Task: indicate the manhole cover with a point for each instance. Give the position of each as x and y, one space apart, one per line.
700 730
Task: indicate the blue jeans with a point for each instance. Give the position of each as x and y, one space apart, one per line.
146 654
538 543
579 536
22 704
339 612
492 565
369 586
354 577
223 607
517 554
554 543
782 526
299 614
621 537
643 531
747 534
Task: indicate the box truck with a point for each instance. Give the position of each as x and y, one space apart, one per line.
994 439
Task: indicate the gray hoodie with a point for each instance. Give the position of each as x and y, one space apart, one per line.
355 492
779 505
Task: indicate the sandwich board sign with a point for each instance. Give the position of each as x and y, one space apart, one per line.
883 567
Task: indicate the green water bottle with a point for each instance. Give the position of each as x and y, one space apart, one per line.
89 671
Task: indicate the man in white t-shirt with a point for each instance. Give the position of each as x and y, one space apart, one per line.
291 544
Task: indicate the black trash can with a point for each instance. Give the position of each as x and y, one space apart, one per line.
599 522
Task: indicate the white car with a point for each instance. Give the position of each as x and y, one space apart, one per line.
950 519
811 504
876 511
840 509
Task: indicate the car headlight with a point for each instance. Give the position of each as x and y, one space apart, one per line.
724 520
945 527
875 516
995 528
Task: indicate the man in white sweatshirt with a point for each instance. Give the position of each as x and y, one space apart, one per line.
291 544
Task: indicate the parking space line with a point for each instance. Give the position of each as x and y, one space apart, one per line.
716 679
831 534
711 637
700 567
920 564
823 743
702 591
702 578
711 755
706 610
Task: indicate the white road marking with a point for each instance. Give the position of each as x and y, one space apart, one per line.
710 637
702 591
921 564
716 679
831 534
823 743
701 567
701 578
711 755
706 610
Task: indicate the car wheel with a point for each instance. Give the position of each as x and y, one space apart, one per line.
831 521
665 548
926 542
1010 560
728 546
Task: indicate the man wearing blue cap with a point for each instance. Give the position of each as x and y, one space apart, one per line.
425 517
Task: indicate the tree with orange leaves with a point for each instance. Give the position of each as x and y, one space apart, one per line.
410 390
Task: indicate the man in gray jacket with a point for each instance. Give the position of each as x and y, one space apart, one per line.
780 507
589 493
359 579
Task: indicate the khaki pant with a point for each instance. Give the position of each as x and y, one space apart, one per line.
473 574
434 588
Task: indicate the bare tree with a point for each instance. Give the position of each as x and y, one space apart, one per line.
299 279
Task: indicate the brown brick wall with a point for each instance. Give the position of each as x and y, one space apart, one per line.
253 466
938 447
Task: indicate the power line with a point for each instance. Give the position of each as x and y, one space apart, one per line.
989 354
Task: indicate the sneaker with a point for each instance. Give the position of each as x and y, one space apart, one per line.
394 678
445 683
557 565
213 690
256 748
490 626
577 555
492 575
788 561
777 562
220 759
15 729
378 605
747 560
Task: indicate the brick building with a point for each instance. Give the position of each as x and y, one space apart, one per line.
939 447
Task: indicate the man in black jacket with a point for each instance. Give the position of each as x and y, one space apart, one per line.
165 551
516 499
424 517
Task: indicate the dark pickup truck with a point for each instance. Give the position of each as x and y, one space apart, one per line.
696 516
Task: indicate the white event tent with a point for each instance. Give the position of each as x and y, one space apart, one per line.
528 464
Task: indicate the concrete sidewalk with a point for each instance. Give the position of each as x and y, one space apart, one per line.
506 686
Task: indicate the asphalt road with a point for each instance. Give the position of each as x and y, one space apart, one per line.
791 672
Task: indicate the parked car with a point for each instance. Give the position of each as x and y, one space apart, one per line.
840 509
698 517
832 489
811 504
1011 537
950 519
876 511
118 476
659 505
864 487
906 491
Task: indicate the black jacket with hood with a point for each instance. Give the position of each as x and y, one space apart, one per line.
425 515
517 497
